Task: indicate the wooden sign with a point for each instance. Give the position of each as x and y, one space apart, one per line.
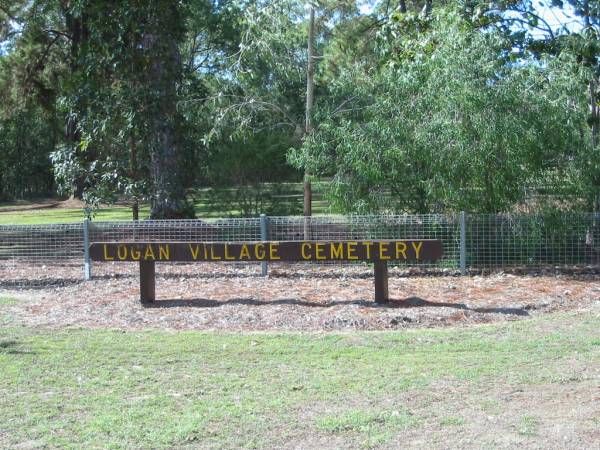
405 250
377 251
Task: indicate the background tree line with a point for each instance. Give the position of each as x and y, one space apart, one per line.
413 106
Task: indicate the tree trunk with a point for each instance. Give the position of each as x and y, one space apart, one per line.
133 175
428 7
310 96
594 116
167 198
595 125
77 30
135 210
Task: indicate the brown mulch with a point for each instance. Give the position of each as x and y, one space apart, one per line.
300 297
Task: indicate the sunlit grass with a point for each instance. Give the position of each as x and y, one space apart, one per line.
161 389
203 209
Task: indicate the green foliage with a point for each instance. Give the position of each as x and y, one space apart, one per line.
30 63
275 199
447 123
258 157
259 82
435 105
258 103
25 132
115 94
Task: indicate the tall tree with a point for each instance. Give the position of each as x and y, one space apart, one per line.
447 122
310 98
118 93
161 34
585 44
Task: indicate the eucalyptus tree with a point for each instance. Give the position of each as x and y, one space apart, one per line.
113 73
583 41
270 79
133 70
572 34
447 121
33 57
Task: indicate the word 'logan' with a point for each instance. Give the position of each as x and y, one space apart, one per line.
405 250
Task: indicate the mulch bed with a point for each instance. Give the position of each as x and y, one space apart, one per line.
293 297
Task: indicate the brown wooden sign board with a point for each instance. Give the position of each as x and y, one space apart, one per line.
405 250
377 251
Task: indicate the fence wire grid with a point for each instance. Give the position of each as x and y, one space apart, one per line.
40 255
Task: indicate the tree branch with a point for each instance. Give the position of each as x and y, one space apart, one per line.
59 33
10 15
40 62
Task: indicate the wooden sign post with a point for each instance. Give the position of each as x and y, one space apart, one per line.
381 282
379 252
147 281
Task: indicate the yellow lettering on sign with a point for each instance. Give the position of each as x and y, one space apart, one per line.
400 250
122 252
107 257
337 252
259 251
319 250
164 252
417 248
350 249
273 247
194 251
368 246
244 252
306 245
227 255
135 254
149 253
383 248
212 254
205 252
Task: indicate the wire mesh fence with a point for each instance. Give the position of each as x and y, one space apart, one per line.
35 243
40 255
424 226
531 241
216 230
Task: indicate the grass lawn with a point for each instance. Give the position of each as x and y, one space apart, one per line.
507 384
63 215
204 209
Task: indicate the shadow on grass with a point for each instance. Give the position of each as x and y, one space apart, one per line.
11 347
410 302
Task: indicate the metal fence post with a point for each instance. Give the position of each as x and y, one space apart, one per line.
87 263
264 235
463 243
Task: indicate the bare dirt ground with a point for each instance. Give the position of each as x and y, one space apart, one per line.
31 205
300 297
43 203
